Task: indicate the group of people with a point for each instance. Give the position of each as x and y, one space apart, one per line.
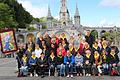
83 55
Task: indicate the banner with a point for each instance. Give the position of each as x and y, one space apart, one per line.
8 41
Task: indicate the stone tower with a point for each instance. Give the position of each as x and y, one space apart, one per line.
49 18
77 16
64 13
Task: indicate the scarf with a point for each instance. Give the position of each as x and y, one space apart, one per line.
24 59
76 49
104 46
33 57
113 54
96 47
88 55
71 48
96 56
52 57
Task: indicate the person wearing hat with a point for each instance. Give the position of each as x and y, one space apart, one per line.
32 64
69 61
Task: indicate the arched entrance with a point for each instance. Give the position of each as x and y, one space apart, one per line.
20 38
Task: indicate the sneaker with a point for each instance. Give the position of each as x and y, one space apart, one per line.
31 75
87 74
68 76
71 76
77 74
36 75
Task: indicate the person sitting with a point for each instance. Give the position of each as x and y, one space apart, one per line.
41 65
52 63
32 64
60 65
96 68
105 66
88 59
79 64
69 62
24 66
113 61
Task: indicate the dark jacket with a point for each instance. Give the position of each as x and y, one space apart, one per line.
59 60
112 60
90 59
90 39
42 62
52 62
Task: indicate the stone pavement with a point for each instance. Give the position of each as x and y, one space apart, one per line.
8 68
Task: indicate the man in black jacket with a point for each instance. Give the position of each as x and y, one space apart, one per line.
89 38
41 65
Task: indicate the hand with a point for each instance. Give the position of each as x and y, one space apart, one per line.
67 62
41 65
78 63
87 62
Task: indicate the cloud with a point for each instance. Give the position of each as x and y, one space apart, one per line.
34 10
107 23
110 3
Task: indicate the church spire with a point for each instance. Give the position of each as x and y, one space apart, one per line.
49 12
77 11
77 16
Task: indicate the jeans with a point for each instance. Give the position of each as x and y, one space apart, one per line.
24 70
69 68
62 69
79 69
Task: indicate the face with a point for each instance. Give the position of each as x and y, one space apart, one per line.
37 46
52 53
96 53
87 33
42 55
68 53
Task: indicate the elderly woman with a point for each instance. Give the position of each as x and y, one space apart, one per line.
69 61
24 66
32 64
79 64
88 61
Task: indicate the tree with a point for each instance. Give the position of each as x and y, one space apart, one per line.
6 17
94 33
20 15
110 36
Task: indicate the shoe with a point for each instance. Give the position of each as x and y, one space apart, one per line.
68 76
71 76
42 76
77 74
36 75
87 74
80 74
31 75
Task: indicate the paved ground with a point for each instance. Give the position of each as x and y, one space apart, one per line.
8 68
